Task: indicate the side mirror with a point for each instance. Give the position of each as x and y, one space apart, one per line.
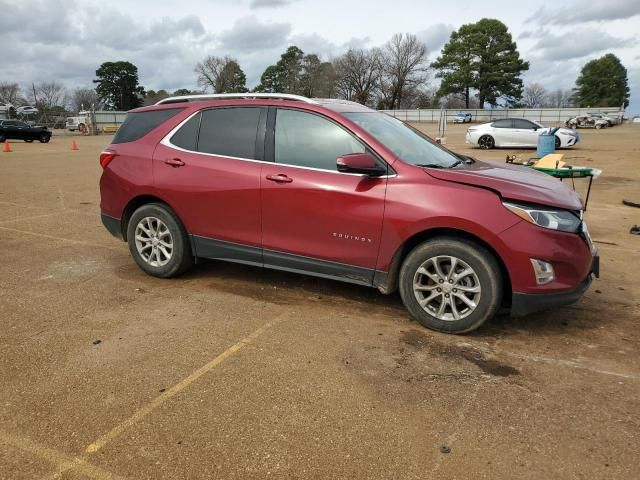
360 163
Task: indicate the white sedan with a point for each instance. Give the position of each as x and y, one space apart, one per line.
27 110
517 132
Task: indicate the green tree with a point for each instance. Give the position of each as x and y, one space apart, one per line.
233 79
318 79
285 75
182 91
270 81
117 85
602 83
481 56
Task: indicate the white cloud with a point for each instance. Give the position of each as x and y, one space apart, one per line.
269 3
576 43
249 34
581 11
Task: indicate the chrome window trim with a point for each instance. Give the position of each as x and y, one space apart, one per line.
166 141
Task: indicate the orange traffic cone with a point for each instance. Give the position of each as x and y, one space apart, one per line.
7 147
74 145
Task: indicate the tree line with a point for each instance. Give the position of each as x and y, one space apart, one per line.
479 65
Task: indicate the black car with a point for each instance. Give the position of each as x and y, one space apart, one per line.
16 130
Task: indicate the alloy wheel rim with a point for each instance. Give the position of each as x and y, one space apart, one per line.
447 288
485 142
154 241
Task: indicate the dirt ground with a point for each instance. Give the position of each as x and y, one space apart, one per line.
236 372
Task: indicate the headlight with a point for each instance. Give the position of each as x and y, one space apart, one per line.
562 220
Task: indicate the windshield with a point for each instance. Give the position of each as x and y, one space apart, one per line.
404 141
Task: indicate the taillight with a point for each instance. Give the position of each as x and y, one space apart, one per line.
105 158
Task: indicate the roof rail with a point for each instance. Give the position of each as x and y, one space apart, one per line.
206 96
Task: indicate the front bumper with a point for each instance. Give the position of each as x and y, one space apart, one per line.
525 303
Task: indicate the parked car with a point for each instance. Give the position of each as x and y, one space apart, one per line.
462 117
334 189
611 121
7 109
27 110
17 130
517 132
586 121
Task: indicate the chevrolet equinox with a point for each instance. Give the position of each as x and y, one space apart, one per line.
337 190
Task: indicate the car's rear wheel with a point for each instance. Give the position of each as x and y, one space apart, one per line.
486 142
451 285
2 138
158 242
44 138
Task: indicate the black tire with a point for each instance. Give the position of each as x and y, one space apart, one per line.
28 140
45 138
181 257
487 275
2 138
486 142
558 142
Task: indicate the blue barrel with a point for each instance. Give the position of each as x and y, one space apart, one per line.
546 144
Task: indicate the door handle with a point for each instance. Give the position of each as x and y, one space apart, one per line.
280 178
174 162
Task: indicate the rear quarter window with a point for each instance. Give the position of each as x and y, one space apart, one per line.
138 124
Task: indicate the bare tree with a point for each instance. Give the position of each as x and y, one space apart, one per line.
358 74
220 74
10 93
534 95
404 67
84 99
559 98
49 94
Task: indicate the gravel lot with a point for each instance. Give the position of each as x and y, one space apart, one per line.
236 372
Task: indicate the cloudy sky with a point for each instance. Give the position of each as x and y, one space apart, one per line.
67 40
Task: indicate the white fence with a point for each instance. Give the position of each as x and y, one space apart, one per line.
544 115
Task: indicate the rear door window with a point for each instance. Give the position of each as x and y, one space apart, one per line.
505 123
523 124
138 124
230 132
187 136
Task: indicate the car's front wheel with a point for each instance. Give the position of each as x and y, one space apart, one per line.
158 242
486 142
558 142
451 285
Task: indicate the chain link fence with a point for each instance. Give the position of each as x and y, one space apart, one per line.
544 115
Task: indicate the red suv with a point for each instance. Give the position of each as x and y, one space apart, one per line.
337 190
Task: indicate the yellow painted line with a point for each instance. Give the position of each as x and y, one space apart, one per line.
61 461
177 388
62 239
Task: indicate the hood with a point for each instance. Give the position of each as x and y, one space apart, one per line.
566 131
514 182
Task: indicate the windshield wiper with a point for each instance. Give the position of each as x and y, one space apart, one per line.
430 165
